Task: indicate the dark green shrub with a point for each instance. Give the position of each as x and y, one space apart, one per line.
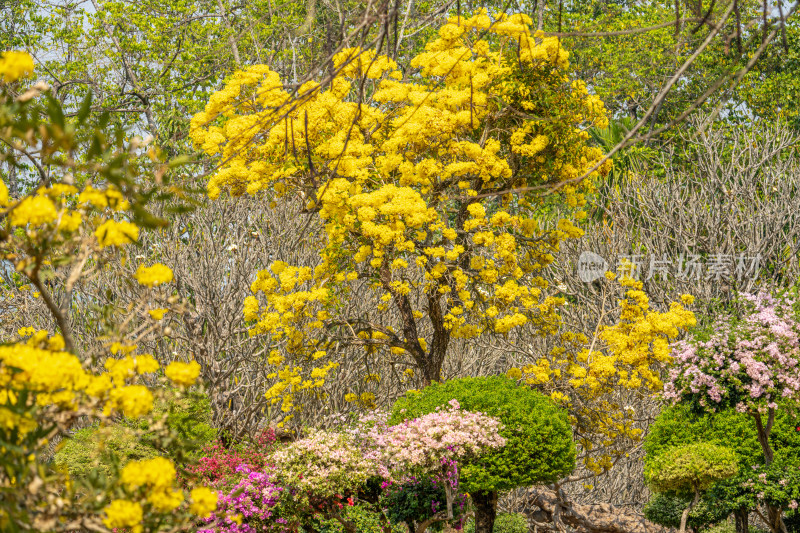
417 501
681 425
539 446
666 509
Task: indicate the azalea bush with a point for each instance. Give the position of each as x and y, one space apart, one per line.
218 465
368 464
250 505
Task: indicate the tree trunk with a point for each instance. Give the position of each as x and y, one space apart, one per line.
685 514
741 517
774 514
485 510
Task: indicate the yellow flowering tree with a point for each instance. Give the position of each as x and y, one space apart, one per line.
429 185
437 186
86 200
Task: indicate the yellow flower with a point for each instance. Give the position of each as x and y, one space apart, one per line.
157 474
133 400
514 373
165 501
154 275
157 314
183 373
69 221
145 363
687 299
3 194
123 513
34 210
204 502
15 65
113 233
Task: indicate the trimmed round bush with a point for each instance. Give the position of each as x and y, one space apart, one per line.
692 467
539 446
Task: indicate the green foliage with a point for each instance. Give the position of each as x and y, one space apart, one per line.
94 450
691 467
189 415
679 425
539 446
416 501
365 519
91 450
504 523
666 508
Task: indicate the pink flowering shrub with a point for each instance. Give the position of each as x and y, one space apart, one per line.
325 463
749 364
320 476
250 505
426 443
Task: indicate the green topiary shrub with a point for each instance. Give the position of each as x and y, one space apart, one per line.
691 468
666 509
539 446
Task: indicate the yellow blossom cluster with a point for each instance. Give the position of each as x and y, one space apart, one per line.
152 276
152 482
183 374
626 356
430 190
44 387
57 213
15 65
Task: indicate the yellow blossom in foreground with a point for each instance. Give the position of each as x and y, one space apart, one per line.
145 363
3 194
156 474
34 210
204 502
113 233
165 501
15 65
183 373
154 275
123 513
133 400
157 314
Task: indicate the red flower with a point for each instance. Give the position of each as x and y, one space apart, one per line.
350 501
